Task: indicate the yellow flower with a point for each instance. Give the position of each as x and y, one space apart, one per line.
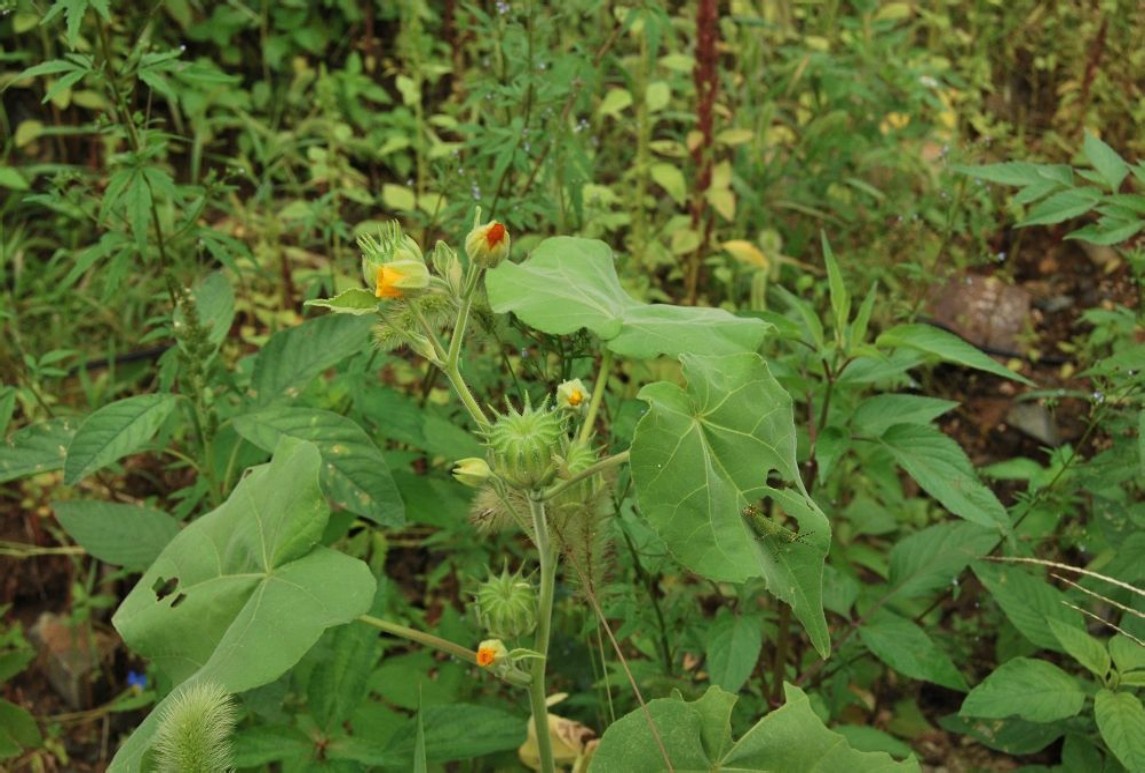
398 278
487 245
491 652
571 395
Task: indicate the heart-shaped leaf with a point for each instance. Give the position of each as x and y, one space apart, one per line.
701 456
697 735
570 283
240 595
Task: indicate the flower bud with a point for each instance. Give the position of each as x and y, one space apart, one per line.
400 278
492 653
524 446
448 266
507 606
572 395
487 245
473 471
422 346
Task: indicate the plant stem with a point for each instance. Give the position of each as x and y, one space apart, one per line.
421 637
548 560
612 461
452 368
597 396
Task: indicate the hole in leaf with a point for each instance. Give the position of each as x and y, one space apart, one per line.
164 588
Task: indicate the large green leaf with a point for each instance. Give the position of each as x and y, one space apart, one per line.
114 431
240 595
697 736
453 732
36 448
570 283
1034 690
934 557
1121 720
700 456
126 535
733 646
946 346
354 472
1029 602
908 649
941 467
295 357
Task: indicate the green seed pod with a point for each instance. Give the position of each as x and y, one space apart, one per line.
524 446
507 606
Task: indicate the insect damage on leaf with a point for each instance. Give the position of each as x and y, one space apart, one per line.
771 531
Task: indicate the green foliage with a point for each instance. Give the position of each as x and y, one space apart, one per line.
700 456
1055 194
697 735
764 486
239 597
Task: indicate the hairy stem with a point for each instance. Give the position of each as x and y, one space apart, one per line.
548 561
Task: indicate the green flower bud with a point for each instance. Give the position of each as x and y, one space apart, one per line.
448 265
507 606
392 263
473 471
524 446
487 245
492 653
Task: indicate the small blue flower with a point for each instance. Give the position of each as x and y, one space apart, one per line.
136 682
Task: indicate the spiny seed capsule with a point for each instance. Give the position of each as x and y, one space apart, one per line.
524 445
507 606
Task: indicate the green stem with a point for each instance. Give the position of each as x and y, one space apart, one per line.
452 368
612 461
548 560
597 396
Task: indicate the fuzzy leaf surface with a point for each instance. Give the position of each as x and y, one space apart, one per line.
697 736
241 594
569 284
702 454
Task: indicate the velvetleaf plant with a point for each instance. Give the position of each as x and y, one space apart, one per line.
241 595
701 454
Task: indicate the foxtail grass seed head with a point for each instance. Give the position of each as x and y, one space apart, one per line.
195 728
525 445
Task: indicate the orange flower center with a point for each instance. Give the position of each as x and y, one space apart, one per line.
486 656
576 397
495 235
384 287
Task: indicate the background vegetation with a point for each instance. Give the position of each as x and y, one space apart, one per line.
179 177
